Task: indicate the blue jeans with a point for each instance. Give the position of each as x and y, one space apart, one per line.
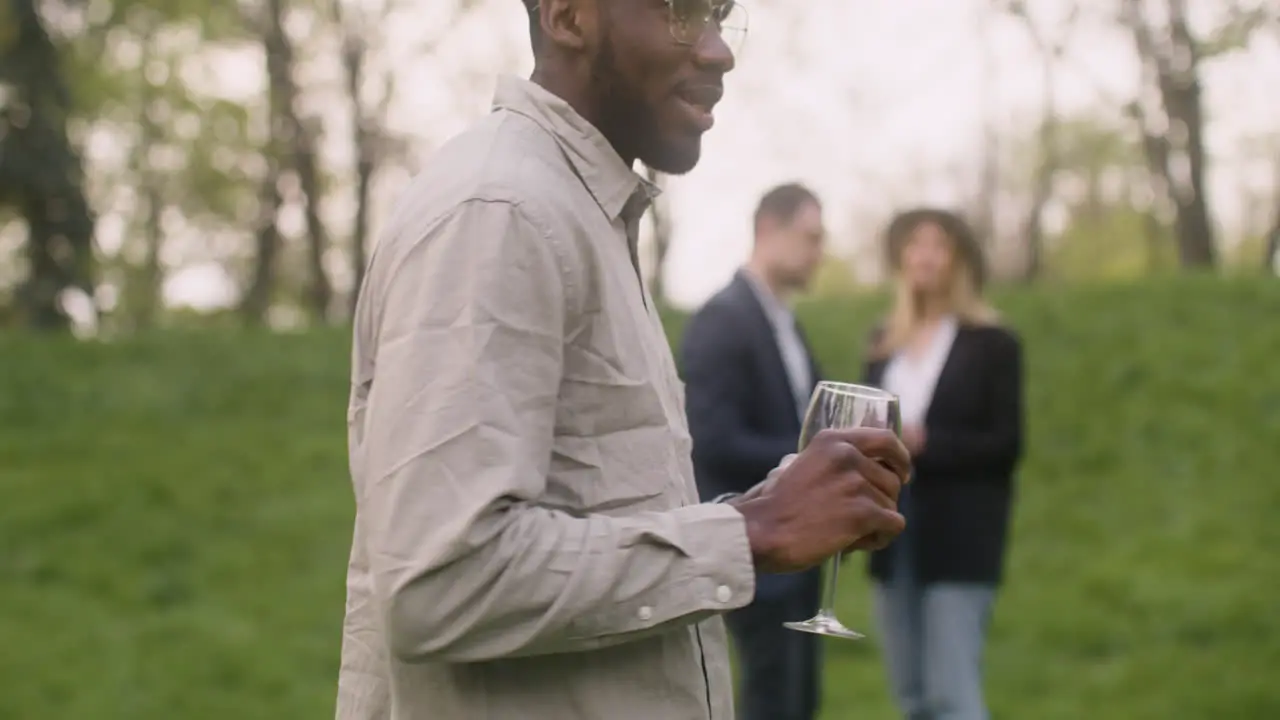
933 636
933 640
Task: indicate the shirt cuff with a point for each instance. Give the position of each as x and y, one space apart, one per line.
715 539
713 574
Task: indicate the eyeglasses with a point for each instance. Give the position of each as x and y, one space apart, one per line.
690 19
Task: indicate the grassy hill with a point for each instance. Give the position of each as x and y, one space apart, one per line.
175 518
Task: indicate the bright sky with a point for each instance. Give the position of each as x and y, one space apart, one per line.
874 103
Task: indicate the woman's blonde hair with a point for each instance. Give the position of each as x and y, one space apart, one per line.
968 275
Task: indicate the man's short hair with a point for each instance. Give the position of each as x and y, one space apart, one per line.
783 203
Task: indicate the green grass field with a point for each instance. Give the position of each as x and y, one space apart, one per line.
175 516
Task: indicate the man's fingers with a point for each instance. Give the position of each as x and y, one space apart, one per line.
872 543
892 452
882 478
879 444
883 526
883 493
782 465
892 522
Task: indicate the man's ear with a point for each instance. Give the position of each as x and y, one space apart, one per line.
569 24
767 225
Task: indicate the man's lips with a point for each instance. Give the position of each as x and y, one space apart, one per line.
700 101
704 97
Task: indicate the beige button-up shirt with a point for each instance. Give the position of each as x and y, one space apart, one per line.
528 540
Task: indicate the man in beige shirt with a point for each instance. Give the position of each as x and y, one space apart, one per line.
528 540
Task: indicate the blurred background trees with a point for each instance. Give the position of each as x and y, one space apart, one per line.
239 143
176 513
248 149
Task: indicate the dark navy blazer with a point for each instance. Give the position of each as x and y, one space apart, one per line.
742 411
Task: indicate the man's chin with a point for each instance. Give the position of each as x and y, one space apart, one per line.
674 158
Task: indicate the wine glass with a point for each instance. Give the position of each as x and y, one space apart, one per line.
841 405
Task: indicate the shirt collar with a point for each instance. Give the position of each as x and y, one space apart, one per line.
614 185
777 311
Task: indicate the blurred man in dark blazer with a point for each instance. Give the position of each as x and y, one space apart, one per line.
749 374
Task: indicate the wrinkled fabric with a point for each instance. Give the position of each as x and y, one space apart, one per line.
528 540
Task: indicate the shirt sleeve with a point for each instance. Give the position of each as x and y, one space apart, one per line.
466 564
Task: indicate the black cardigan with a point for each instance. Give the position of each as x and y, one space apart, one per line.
962 491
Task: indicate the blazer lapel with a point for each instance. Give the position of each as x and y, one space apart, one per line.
815 372
766 339
949 374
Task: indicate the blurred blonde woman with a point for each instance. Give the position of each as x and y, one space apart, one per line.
958 371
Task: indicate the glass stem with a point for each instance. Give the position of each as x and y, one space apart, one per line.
829 596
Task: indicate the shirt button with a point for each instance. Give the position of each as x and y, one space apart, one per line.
724 594
645 613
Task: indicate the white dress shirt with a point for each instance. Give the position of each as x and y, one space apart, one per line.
795 357
913 379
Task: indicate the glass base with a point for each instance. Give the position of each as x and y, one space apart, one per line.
824 624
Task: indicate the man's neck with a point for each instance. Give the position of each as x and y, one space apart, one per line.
555 81
762 276
574 94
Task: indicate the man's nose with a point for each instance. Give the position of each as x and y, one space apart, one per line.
712 53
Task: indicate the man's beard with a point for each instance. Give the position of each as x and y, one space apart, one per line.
628 122
621 116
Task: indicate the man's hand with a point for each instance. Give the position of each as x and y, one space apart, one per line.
840 493
763 486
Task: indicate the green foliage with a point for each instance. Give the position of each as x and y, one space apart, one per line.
1087 146
101 58
834 278
177 517
1246 258
1111 243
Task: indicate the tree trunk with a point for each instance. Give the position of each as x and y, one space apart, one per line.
1271 258
266 249
257 299
1153 231
1173 67
302 142
148 296
1042 192
987 217
353 62
1183 101
1155 151
42 172
319 293
1052 46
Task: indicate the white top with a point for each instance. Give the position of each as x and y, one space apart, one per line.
913 379
795 358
